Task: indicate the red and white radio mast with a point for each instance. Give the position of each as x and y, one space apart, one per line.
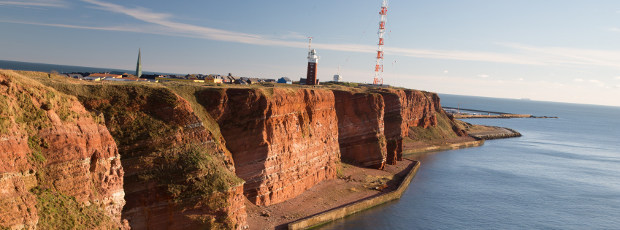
379 66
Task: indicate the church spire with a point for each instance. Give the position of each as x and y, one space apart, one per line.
139 65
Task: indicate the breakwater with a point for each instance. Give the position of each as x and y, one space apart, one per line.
458 113
437 148
502 133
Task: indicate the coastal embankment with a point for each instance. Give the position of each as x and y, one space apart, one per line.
464 113
468 116
483 132
444 147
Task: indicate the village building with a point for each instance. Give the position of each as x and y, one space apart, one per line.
106 75
164 79
75 75
89 78
285 80
213 79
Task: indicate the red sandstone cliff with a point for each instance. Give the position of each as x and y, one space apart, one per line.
177 175
59 167
373 123
283 142
361 128
406 109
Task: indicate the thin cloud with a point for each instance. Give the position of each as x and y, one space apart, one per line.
569 56
595 81
598 83
135 29
110 28
483 75
36 3
614 29
618 78
292 35
164 20
465 55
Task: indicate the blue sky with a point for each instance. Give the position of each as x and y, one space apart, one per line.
567 51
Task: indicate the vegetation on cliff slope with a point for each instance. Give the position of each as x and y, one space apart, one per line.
442 131
24 105
59 211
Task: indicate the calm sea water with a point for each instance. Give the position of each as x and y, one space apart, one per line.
562 174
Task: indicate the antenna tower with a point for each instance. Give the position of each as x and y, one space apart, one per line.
379 66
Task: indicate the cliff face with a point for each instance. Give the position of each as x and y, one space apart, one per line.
431 125
405 109
177 175
283 141
361 128
59 167
395 126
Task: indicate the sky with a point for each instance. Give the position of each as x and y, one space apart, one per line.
552 50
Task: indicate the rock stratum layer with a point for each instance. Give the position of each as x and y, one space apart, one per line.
283 142
405 109
185 156
361 128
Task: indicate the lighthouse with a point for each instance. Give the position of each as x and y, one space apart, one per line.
313 60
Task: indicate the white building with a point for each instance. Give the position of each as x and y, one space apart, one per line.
337 78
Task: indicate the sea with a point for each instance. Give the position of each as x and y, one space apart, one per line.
562 173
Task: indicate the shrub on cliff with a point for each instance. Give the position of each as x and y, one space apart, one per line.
59 211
